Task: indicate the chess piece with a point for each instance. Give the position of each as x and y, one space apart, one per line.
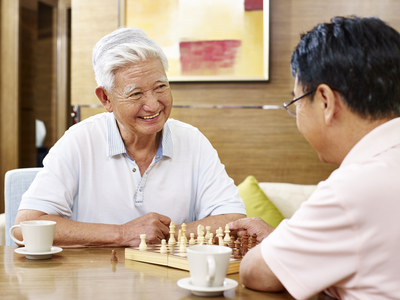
245 244
200 232
220 237
171 240
183 226
232 243
237 248
143 245
182 248
179 237
211 239
192 241
163 248
114 256
254 236
236 251
208 229
227 238
200 240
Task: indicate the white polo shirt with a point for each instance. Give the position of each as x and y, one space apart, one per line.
89 177
346 238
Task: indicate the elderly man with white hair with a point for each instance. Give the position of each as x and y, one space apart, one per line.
131 170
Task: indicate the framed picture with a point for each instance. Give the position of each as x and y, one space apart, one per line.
206 40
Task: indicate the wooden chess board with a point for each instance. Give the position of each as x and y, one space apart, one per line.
172 258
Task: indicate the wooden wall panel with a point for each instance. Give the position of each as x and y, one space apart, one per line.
9 104
91 20
263 143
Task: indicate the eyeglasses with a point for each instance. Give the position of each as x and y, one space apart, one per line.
291 109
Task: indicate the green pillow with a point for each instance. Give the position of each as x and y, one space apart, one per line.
257 203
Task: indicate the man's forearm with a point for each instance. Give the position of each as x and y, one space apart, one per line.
77 234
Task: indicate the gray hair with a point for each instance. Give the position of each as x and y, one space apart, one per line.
118 49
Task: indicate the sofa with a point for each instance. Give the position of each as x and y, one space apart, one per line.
272 201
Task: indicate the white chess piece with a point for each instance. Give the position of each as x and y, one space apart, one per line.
200 240
208 230
200 232
211 239
220 237
163 248
182 248
143 245
171 240
192 241
227 238
183 226
178 242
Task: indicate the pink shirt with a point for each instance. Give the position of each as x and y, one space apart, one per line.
346 237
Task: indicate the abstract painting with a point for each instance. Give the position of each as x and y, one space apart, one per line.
206 40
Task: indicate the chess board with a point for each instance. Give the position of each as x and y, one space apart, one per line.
172 258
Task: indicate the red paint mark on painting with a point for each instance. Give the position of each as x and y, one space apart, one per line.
208 57
253 5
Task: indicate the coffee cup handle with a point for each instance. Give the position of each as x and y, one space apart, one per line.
211 268
12 235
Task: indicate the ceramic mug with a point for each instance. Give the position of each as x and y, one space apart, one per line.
37 236
208 264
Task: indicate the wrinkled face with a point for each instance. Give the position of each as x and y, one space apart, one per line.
141 99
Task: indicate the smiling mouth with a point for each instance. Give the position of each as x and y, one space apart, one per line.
150 117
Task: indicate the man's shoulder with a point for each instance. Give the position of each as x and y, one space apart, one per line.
179 125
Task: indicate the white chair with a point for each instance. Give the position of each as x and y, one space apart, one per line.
16 183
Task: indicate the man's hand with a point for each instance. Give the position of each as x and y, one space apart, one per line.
155 226
252 225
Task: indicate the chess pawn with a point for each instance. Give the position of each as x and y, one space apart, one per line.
192 241
179 237
227 238
232 242
211 239
183 226
245 243
220 237
182 248
163 248
200 240
143 245
238 253
171 240
208 229
254 236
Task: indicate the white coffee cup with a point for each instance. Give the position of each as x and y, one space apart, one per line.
37 236
208 264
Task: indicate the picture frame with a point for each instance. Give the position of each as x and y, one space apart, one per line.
213 40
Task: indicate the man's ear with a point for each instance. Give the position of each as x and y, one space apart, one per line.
104 98
330 102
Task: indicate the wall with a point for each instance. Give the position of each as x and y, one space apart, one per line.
263 143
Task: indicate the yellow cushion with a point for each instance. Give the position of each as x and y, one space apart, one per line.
257 203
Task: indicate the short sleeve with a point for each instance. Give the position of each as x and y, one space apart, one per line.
320 238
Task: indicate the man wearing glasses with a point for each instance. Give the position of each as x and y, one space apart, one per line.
345 238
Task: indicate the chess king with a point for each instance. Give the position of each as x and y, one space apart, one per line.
131 170
344 239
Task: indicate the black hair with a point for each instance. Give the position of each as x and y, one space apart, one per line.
357 57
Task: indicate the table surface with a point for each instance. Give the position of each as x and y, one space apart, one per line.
88 273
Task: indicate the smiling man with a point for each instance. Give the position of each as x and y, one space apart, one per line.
344 239
131 170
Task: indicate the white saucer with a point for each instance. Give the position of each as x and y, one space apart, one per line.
186 283
39 255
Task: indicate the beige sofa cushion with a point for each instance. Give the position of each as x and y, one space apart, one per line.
287 197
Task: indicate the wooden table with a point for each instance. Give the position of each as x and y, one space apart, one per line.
87 273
